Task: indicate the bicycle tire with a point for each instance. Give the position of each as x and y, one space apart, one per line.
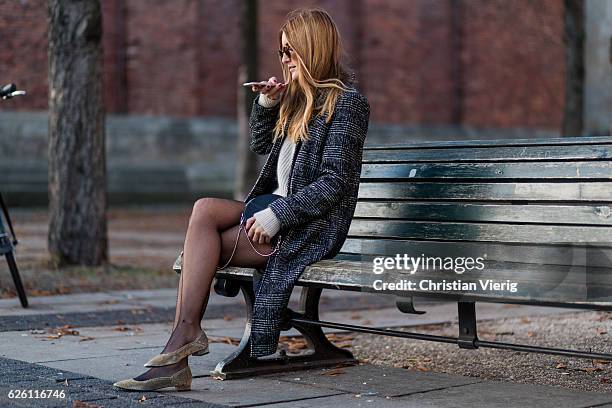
10 259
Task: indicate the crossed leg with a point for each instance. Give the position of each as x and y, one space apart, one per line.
209 242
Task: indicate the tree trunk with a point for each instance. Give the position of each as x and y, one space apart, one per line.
246 166
77 164
573 37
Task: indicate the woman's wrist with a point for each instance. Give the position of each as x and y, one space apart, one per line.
267 219
266 101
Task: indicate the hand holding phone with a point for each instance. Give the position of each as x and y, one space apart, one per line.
271 88
259 84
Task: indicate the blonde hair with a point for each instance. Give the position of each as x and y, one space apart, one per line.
322 76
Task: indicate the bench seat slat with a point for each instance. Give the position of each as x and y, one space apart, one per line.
544 276
585 191
533 213
483 154
537 284
529 253
481 232
578 170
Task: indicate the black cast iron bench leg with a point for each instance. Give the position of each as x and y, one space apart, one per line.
322 353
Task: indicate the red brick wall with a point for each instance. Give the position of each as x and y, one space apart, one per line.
514 58
162 70
23 51
490 63
220 53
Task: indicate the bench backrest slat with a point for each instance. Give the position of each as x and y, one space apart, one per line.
466 144
517 233
564 254
573 171
508 213
533 191
483 154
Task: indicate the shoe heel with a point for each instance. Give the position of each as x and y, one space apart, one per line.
182 379
183 387
201 352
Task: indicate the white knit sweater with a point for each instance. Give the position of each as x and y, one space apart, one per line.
266 217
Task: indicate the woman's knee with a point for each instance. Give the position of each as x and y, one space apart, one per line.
203 210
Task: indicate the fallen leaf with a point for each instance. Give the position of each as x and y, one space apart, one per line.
560 366
334 371
53 337
65 330
38 292
590 369
294 344
227 318
601 331
228 340
339 337
346 344
87 338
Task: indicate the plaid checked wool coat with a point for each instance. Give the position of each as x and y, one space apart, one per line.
316 213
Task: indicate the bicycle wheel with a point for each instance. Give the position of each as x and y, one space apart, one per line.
10 258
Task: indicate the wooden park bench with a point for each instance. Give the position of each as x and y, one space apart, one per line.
537 212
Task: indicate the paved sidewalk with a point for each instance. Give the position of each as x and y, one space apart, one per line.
85 363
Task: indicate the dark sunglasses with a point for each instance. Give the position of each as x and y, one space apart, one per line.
285 51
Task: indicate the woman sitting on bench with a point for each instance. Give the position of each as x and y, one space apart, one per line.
313 126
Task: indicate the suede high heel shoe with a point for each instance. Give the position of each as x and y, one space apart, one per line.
198 347
181 380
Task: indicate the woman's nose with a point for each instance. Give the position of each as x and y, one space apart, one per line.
286 60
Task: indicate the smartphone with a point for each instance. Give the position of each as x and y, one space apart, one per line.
262 83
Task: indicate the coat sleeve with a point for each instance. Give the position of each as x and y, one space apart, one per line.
340 166
262 122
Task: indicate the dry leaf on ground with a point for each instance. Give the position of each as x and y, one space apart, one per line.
334 371
590 369
227 340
